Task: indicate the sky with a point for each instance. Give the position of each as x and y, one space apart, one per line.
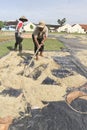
75 11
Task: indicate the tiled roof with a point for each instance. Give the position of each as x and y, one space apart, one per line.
11 23
84 26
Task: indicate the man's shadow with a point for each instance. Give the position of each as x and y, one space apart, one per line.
23 55
27 57
10 48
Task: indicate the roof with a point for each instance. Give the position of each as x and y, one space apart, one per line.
11 23
52 26
84 26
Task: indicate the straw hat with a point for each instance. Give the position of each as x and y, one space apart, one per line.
23 18
41 24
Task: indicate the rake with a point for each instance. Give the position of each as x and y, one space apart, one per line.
26 67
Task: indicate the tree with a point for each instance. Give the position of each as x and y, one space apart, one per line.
61 22
1 24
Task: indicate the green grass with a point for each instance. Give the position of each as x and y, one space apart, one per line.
27 44
50 45
5 48
53 45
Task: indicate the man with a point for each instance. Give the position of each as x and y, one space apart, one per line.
39 36
18 33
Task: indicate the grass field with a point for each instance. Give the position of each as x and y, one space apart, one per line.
50 44
6 46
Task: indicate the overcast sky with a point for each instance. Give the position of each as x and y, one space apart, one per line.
75 11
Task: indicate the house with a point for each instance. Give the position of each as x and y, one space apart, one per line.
8 28
84 26
76 28
10 23
29 27
65 28
52 28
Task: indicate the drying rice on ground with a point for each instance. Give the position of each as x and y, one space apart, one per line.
11 67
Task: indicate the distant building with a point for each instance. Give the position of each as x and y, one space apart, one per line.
76 28
84 26
8 28
8 23
29 27
52 28
65 28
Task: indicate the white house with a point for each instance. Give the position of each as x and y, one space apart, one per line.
8 28
29 27
64 28
77 29
71 29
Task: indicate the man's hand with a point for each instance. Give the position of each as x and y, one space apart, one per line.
39 46
42 43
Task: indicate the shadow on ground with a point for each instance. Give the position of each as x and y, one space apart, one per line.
10 48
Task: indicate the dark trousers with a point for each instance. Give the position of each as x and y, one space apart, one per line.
18 42
35 45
